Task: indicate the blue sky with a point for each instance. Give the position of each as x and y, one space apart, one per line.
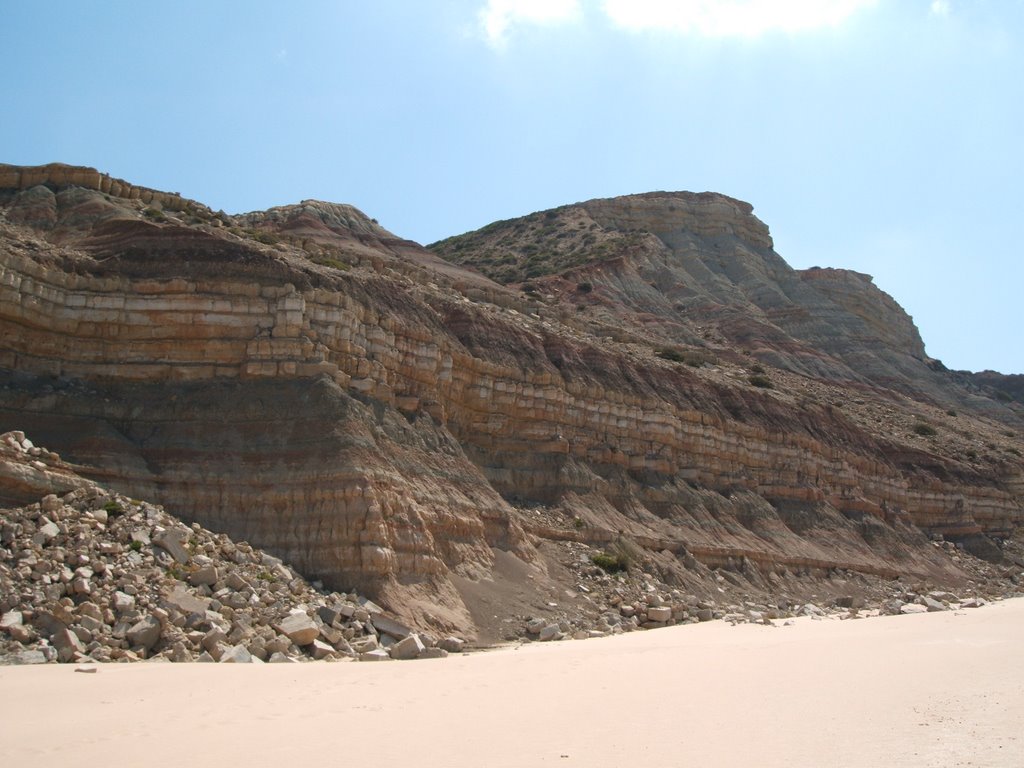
883 136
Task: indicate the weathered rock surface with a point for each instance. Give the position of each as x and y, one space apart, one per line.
384 421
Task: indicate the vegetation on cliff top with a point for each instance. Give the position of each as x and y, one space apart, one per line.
538 245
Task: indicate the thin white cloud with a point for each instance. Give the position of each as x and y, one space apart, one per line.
498 17
941 7
732 18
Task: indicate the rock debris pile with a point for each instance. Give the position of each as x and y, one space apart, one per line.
656 611
603 604
95 576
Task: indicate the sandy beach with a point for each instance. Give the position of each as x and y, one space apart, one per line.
939 689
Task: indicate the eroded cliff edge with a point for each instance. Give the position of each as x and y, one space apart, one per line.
391 422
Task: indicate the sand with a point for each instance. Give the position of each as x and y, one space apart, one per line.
940 689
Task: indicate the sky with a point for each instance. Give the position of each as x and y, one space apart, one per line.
883 136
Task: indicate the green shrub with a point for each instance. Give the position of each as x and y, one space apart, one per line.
112 508
673 355
266 238
692 358
758 380
135 546
925 430
326 261
610 563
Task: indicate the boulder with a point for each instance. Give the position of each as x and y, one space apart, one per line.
144 633
218 650
47 531
30 656
933 605
277 644
331 634
184 601
208 575
659 613
236 654
180 654
452 644
550 632
122 602
11 619
21 633
68 645
408 648
365 644
299 628
173 542
212 638
329 614
389 626
236 582
319 650
99 515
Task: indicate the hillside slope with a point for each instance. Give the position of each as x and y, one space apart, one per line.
391 422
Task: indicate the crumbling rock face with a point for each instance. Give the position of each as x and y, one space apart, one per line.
94 576
301 380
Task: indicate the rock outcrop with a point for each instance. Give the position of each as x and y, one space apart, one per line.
699 270
386 421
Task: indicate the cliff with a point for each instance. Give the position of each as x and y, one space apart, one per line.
699 271
388 421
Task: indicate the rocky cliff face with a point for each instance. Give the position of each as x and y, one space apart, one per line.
388 421
699 270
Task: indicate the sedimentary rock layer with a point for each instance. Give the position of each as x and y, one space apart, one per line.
379 431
